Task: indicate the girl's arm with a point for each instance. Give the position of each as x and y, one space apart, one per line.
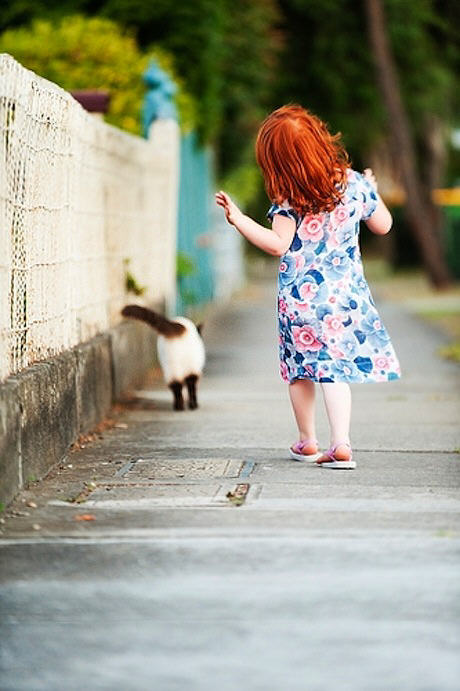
381 220
275 242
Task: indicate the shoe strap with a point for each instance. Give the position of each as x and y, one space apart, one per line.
331 451
300 445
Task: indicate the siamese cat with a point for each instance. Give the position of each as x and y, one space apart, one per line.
180 351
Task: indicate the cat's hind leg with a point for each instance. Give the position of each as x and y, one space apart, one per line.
191 382
176 388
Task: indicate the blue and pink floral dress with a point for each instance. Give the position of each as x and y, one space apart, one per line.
329 328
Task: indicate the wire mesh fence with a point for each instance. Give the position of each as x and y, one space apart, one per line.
81 203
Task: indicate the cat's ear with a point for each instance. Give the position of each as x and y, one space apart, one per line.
199 327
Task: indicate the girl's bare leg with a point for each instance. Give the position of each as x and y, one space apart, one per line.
337 399
302 395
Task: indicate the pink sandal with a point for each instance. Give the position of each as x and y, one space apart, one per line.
303 450
328 460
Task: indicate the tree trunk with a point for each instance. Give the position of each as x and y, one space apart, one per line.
434 157
419 207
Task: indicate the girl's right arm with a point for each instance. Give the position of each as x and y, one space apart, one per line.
380 221
276 241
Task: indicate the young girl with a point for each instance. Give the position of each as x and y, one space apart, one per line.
329 329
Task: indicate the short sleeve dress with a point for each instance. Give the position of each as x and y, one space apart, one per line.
329 327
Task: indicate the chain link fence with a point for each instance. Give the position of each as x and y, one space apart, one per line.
81 203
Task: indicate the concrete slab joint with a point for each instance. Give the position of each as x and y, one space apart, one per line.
46 407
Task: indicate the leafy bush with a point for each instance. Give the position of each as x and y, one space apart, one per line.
77 52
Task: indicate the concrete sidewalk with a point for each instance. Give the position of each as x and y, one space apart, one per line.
319 580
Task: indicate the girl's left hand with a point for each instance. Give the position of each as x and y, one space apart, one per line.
232 213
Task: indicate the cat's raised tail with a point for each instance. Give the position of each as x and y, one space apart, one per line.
164 326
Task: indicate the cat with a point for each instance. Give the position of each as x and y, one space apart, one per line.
180 351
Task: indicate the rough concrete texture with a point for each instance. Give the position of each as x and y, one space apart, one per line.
320 580
47 406
10 437
47 395
93 382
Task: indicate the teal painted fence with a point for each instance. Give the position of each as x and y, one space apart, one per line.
195 278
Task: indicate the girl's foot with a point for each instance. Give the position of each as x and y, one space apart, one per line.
339 456
304 450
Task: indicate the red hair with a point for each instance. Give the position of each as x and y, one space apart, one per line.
301 161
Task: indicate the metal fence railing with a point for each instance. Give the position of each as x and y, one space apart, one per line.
77 199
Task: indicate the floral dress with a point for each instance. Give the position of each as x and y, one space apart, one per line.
329 328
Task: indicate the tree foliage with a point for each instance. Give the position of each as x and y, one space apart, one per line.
78 52
329 66
224 52
239 59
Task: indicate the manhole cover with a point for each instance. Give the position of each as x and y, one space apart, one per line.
196 469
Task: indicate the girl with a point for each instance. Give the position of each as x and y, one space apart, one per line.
329 329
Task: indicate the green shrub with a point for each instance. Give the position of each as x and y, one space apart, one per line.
77 52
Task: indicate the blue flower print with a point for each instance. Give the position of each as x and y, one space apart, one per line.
345 370
364 364
329 326
345 234
309 257
312 290
374 329
359 285
336 264
349 345
323 310
287 270
296 244
283 211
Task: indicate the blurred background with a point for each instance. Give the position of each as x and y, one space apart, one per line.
383 73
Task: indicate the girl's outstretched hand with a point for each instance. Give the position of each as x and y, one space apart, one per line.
232 213
370 177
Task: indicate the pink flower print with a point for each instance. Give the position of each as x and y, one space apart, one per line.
333 324
311 229
284 371
382 362
309 370
282 304
340 215
299 262
305 338
332 298
336 352
301 306
308 290
333 240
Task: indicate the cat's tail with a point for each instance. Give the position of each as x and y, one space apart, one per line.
164 326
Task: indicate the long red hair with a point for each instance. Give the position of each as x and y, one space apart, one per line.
301 160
